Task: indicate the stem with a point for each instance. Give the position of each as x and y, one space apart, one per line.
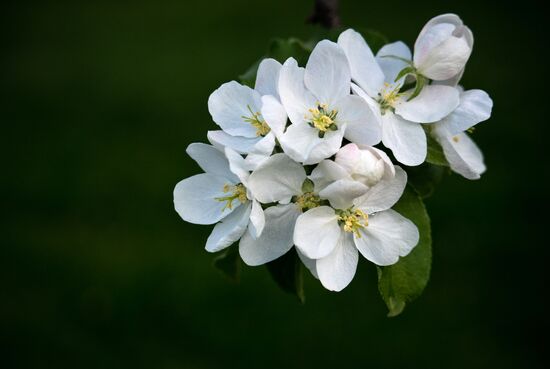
325 13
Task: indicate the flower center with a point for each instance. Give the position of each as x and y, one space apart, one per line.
322 118
307 201
236 192
388 97
256 120
353 220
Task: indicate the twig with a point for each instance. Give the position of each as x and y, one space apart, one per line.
325 13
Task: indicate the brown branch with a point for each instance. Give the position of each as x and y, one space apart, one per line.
325 13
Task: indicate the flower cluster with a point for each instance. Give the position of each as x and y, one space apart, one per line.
295 162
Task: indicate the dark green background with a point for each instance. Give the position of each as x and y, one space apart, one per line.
99 101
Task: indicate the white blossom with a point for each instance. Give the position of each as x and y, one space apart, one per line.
250 118
443 48
321 109
398 116
221 194
334 235
463 155
276 174
283 182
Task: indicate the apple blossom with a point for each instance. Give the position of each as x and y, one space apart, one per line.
334 235
318 102
293 163
443 48
250 118
219 195
461 152
398 116
282 181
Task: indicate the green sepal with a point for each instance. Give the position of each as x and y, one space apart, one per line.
420 83
307 186
405 71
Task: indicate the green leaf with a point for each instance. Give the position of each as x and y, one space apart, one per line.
435 152
229 263
374 39
287 272
280 50
425 178
249 77
401 283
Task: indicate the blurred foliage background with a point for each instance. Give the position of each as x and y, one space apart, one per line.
99 101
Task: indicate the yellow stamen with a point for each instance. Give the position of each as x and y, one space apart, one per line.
256 120
354 220
456 138
307 201
322 118
388 97
238 192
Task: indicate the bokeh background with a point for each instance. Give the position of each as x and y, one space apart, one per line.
99 101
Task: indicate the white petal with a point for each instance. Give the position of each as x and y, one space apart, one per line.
274 114
267 77
405 139
389 169
257 220
211 160
327 172
294 96
390 65
260 152
253 161
475 106
432 104
453 81
447 60
237 165
362 125
373 104
302 143
229 103
221 140
365 71
326 147
229 230
341 193
265 146
317 232
327 73
384 194
463 155
388 236
364 165
443 47
309 263
277 179
337 269
275 240
195 199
